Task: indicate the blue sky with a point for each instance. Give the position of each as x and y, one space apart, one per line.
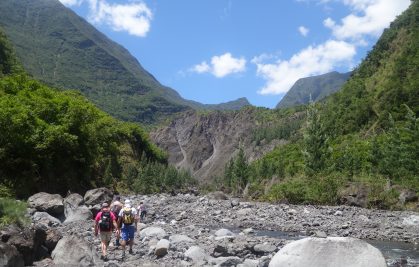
214 51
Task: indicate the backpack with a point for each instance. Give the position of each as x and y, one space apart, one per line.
127 216
116 209
105 221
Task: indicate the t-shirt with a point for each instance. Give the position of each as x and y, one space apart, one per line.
142 208
99 215
121 213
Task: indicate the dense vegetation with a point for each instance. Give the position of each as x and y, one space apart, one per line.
314 88
12 212
364 140
57 141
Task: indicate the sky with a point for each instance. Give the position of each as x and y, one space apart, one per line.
214 51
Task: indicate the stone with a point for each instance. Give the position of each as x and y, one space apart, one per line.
249 263
223 233
81 213
226 261
248 231
71 203
331 251
44 218
292 212
162 247
10 256
407 195
50 203
74 251
180 239
244 212
196 254
98 196
264 248
153 232
52 238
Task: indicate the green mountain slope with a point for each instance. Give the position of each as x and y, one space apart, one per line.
55 141
61 49
318 87
361 145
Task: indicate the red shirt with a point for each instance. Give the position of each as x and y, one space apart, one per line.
99 215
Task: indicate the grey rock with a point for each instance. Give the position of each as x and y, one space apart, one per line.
249 263
217 195
407 195
224 232
162 247
180 239
264 248
50 203
71 203
331 251
98 196
226 261
52 238
153 232
44 218
9 256
81 213
196 254
72 250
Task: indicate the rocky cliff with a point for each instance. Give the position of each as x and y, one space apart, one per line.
204 142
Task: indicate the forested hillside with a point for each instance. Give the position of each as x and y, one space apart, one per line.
57 141
62 50
361 146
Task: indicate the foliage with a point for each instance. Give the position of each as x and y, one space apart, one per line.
57 141
12 212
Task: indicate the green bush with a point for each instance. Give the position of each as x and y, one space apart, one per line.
12 212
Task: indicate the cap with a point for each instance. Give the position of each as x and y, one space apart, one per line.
105 205
127 201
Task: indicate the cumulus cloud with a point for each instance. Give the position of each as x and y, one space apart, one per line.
134 17
368 18
303 30
221 66
313 60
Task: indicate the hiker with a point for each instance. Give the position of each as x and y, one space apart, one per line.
116 207
127 222
104 221
142 209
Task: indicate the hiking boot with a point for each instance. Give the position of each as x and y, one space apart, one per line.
102 257
131 252
105 258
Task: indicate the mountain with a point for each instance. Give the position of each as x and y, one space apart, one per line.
316 87
203 143
61 49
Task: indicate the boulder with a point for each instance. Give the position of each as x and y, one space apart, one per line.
9 256
354 195
226 261
50 203
44 218
98 196
407 195
264 248
153 232
328 252
71 203
249 263
224 232
24 243
52 238
81 213
162 247
74 251
197 255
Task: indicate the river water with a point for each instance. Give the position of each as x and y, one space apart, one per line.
397 254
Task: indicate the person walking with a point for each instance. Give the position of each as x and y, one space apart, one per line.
127 221
142 209
116 207
105 221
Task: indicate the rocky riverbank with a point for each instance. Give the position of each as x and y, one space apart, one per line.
189 230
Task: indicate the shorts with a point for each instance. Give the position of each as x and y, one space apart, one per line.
105 236
127 232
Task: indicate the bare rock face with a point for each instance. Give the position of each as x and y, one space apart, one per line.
204 143
331 251
50 203
9 256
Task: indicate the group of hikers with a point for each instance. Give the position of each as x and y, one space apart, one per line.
121 219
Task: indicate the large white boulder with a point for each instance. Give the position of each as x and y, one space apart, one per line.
153 232
328 252
73 251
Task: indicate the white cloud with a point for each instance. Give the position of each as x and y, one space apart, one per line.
134 18
313 60
368 18
303 30
221 66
